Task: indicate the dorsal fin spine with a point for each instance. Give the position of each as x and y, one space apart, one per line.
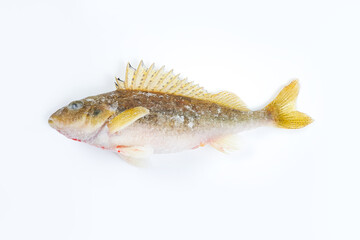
170 83
187 87
151 80
175 88
156 78
117 82
163 79
130 71
181 88
192 89
197 92
139 73
172 80
148 75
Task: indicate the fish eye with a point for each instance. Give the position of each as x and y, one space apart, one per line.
75 105
96 112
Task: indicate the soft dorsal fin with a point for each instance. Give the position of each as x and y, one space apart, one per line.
229 99
151 80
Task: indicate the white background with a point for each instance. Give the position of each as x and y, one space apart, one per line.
281 184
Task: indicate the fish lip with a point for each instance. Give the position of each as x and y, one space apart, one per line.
51 122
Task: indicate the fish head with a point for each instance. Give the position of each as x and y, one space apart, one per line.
81 119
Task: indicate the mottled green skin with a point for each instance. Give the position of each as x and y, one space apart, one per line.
174 123
171 124
178 114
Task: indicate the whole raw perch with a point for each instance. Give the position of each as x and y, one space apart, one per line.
153 111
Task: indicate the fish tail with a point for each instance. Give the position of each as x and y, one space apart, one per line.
282 109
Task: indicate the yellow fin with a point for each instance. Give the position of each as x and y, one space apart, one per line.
126 118
119 83
151 80
283 111
229 99
225 144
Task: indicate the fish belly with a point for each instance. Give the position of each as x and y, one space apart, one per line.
163 140
158 140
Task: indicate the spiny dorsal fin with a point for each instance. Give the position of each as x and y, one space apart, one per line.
119 84
151 80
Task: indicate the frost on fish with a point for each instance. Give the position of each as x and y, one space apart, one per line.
154 111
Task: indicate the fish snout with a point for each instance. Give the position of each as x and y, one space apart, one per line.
55 117
51 121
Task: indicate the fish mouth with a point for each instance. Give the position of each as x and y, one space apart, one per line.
51 122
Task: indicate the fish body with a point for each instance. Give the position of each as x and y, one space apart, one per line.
174 123
153 111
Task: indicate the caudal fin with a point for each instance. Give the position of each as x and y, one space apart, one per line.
282 108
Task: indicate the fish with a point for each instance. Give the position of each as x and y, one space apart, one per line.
154 111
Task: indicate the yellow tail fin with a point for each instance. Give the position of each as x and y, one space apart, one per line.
283 111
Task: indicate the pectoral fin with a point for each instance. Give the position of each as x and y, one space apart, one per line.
126 118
